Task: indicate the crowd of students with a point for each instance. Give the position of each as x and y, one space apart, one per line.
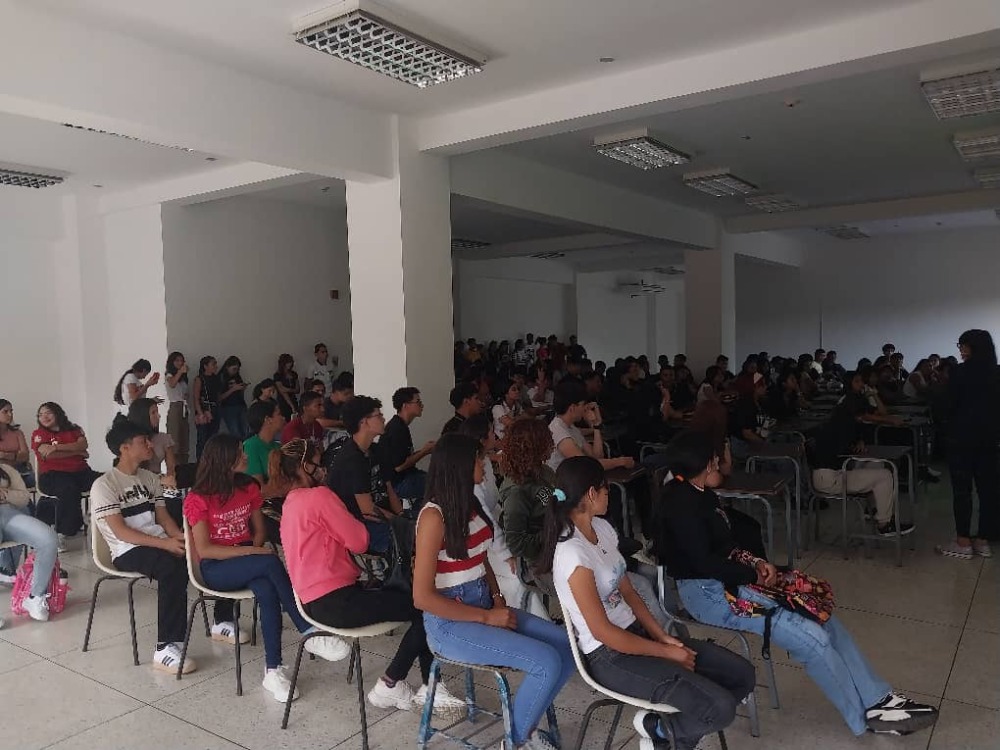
512 515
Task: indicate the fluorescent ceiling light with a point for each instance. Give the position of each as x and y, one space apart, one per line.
988 178
548 256
978 146
718 182
27 179
637 149
965 95
773 204
844 232
371 40
458 243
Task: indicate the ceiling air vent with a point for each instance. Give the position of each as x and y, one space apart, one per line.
773 204
976 93
28 179
844 232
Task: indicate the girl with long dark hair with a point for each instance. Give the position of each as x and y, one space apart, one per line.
205 398
227 529
130 385
13 445
232 401
465 614
145 412
625 648
286 380
178 426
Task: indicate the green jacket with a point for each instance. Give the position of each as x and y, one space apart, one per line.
522 514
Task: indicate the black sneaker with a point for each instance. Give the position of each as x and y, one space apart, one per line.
889 529
645 723
897 714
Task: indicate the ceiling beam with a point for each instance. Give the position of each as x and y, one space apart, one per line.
945 203
567 244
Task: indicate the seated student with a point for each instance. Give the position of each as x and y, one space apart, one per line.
266 423
507 409
145 412
711 386
356 474
333 406
918 382
13 445
318 535
316 386
464 399
831 368
395 447
223 510
129 512
890 389
466 616
571 406
625 648
841 436
541 393
899 372
526 489
784 399
306 425
265 390
807 377
750 425
16 525
61 449
684 394
715 580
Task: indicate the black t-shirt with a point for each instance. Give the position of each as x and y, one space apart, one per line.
354 473
290 381
227 381
746 416
451 425
394 447
683 397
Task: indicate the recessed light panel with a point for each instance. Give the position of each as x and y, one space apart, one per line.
640 151
719 183
371 41
965 95
844 232
773 204
988 178
978 146
548 256
458 243
27 179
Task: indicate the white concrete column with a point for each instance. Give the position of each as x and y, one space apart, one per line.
710 307
399 245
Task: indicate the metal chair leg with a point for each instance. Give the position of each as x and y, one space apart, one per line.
131 621
614 727
361 695
204 614
772 684
470 696
187 634
503 687
236 633
295 678
253 623
581 734
93 606
424 732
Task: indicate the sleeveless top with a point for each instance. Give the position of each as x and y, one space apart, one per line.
452 572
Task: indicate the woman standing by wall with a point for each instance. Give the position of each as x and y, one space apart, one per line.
232 401
131 386
178 425
206 402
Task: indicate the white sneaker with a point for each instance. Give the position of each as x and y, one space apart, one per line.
167 658
226 632
62 543
37 607
278 684
399 696
445 704
329 647
8 579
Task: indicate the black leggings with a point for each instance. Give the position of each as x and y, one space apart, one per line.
975 465
67 487
706 698
355 607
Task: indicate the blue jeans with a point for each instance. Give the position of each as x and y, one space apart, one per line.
412 485
828 652
267 578
536 647
234 417
18 526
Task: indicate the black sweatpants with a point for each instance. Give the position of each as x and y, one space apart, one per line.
67 487
977 465
170 574
706 698
355 607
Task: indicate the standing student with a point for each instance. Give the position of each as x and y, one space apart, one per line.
287 382
205 398
320 369
63 472
466 616
131 386
130 513
227 529
395 446
232 401
178 426
319 535
13 445
625 647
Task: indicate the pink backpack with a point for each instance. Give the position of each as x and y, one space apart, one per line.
22 588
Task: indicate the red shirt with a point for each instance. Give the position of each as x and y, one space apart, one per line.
297 429
60 461
229 519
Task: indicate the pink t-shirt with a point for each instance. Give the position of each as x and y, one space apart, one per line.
228 521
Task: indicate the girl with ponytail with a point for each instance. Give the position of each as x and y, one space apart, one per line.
624 647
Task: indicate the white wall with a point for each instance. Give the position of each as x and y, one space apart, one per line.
252 277
775 311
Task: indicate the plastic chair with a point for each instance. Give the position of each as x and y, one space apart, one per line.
615 699
353 634
427 731
102 559
206 594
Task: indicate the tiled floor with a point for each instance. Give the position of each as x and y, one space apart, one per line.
932 628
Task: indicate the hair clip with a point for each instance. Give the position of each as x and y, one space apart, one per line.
559 495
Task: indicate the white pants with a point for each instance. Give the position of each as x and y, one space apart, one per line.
859 482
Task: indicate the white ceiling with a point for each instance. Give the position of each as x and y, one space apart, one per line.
531 44
933 223
87 159
863 138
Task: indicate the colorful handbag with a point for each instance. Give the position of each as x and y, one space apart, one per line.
58 588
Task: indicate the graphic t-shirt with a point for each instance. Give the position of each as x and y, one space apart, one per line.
322 373
228 518
608 566
58 462
257 452
135 498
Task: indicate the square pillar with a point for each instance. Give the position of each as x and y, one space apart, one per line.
710 307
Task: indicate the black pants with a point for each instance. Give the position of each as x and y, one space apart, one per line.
67 487
170 574
355 607
206 431
706 698
975 465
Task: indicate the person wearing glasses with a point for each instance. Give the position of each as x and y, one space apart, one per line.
356 474
395 447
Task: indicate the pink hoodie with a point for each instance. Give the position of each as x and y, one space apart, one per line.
318 533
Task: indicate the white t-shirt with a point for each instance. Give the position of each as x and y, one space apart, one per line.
135 498
561 431
912 391
608 566
489 497
500 411
322 373
540 400
178 392
130 379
